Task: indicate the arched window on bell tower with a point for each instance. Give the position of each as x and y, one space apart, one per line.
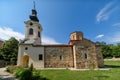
30 31
38 33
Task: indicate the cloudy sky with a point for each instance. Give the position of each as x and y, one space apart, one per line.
99 20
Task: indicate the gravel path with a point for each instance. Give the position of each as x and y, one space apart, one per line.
5 76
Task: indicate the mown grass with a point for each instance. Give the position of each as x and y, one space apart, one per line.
112 74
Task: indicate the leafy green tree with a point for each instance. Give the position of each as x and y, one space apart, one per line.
1 57
116 50
9 50
110 50
106 49
118 44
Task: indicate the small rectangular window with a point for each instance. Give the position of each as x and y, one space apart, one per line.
40 57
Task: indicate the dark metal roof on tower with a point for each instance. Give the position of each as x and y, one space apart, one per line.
33 17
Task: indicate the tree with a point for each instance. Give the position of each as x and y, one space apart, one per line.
110 50
9 50
116 50
118 44
106 49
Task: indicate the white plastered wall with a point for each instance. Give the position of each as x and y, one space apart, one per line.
33 53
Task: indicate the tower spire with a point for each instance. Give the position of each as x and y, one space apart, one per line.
33 16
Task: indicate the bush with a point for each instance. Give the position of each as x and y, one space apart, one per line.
26 74
18 72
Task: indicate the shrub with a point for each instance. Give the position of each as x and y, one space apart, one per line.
18 72
26 74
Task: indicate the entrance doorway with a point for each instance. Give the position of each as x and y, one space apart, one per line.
25 60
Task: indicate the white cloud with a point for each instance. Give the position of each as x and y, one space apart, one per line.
116 24
106 11
99 36
48 40
115 38
110 38
6 33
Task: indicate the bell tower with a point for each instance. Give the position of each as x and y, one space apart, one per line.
75 37
33 29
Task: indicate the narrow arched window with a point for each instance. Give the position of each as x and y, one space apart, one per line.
61 57
38 34
86 56
31 31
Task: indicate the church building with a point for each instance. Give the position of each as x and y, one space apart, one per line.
79 53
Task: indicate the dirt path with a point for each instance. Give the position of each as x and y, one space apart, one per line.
5 76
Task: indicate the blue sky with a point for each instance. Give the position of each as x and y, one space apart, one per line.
99 20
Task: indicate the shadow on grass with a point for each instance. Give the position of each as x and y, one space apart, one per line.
41 78
111 66
100 77
44 79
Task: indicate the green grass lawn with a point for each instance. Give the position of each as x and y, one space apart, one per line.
112 74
